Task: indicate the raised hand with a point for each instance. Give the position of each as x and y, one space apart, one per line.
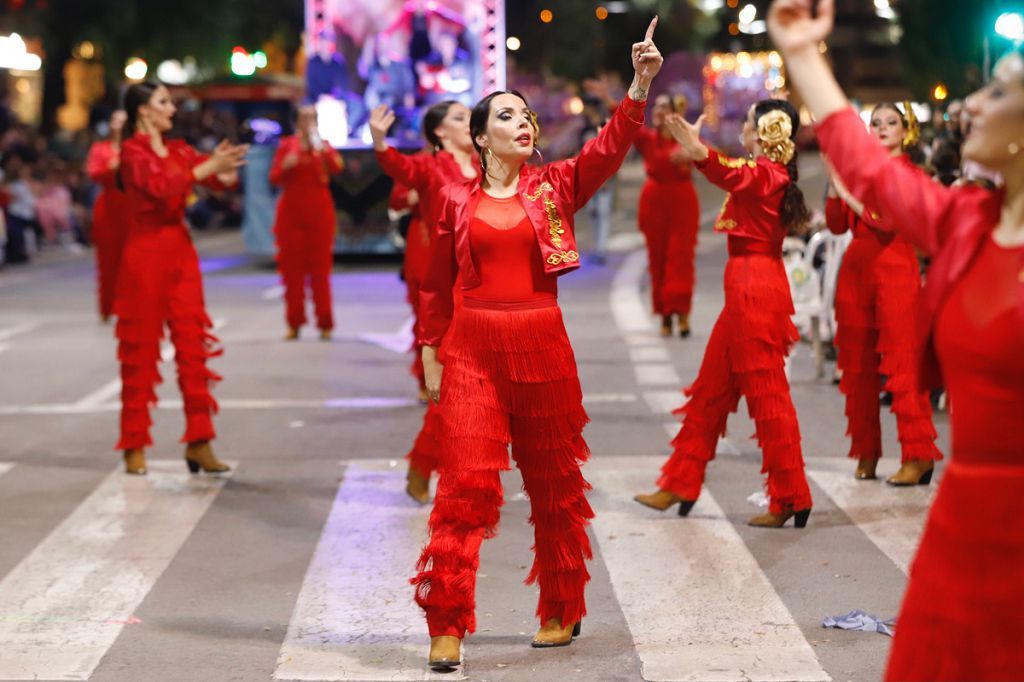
227 157
793 26
688 136
647 61
381 120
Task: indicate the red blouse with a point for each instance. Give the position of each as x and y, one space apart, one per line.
314 168
159 187
656 151
751 211
506 254
979 338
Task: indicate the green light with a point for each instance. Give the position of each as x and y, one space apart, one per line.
260 57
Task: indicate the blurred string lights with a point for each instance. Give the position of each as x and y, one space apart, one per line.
15 55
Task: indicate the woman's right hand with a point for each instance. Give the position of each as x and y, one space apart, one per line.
432 371
688 136
290 161
794 25
381 120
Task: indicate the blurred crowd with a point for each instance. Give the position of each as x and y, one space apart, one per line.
46 195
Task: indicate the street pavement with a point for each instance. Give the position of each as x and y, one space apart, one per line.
296 565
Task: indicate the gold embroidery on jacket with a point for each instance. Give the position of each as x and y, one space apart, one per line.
555 230
724 223
563 257
736 163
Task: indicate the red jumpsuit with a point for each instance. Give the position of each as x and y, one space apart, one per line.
669 218
428 174
961 618
747 350
305 229
510 377
110 219
160 284
876 297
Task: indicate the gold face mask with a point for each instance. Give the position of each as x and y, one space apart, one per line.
775 131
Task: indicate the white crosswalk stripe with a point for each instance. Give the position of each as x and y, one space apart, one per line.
355 618
690 603
892 518
65 604
5 467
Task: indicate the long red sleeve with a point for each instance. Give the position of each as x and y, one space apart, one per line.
98 163
835 215
153 176
411 171
437 303
743 176
602 156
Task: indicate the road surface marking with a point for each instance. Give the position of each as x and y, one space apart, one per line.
892 518
66 603
355 618
698 606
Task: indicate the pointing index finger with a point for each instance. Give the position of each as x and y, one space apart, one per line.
650 29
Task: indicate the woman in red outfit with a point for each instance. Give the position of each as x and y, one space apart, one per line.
110 213
746 353
876 298
304 225
510 376
961 617
160 284
446 129
669 217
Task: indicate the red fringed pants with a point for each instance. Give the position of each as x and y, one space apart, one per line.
305 252
510 378
876 302
745 357
160 284
109 232
669 217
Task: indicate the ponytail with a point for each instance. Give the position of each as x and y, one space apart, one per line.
793 211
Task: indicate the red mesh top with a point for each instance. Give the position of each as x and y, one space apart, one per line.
506 254
979 341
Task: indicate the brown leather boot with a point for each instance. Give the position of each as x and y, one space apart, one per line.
417 486
684 326
663 499
135 462
199 455
325 334
913 472
772 520
866 469
553 634
292 334
445 652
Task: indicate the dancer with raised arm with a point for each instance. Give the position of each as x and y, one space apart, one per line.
160 284
746 353
111 213
961 618
509 373
876 302
446 129
303 165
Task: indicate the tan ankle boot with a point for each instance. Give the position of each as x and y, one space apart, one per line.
445 652
913 472
325 334
200 455
684 326
663 499
553 634
417 486
772 520
292 334
666 325
135 462
866 469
